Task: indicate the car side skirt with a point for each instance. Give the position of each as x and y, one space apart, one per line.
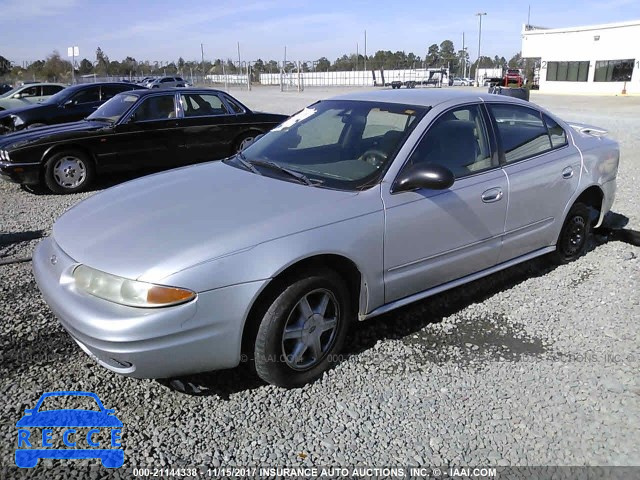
455 283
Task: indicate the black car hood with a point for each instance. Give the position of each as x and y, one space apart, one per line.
51 133
27 108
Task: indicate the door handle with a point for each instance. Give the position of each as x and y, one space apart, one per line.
567 172
492 195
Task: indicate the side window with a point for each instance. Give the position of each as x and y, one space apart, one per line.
88 95
166 80
556 133
233 104
521 130
457 140
110 91
50 89
30 92
155 108
198 105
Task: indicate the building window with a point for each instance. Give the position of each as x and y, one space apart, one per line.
567 71
614 70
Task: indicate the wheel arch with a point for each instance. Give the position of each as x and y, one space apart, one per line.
593 197
342 265
56 148
250 130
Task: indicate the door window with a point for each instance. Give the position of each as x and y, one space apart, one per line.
155 108
51 89
522 131
198 105
88 95
456 140
30 92
110 91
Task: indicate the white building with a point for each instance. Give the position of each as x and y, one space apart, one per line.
591 59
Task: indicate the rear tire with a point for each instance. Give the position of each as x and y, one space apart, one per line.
68 171
573 238
303 329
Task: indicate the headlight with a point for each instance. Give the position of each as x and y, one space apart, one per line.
128 292
17 121
4 155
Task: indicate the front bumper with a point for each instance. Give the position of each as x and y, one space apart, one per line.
202 335
23 173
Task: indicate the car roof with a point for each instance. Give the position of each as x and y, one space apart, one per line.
158 91
80 86
426 97
37 84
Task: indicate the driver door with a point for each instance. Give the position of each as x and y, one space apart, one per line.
435 236
150 136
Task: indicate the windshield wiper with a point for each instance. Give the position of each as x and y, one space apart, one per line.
99 119
243 161
297 175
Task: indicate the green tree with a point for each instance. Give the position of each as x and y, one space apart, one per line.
85 67
516 61
102 62
433 56
5 65
55 68
448 55
323 64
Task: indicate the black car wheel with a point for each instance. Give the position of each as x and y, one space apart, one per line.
572 242
69 171
303 329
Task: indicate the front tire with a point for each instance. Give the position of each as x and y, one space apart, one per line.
244 141
68 171
303 329
572 241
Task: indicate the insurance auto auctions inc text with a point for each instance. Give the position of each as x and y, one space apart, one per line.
385 472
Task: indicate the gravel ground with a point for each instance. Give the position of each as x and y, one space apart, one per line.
532 366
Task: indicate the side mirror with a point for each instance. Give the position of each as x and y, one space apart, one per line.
69 103
424 175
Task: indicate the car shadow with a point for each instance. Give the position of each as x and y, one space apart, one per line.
406 321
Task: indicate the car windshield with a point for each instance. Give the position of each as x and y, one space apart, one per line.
61 96
11 92
114 108
342 144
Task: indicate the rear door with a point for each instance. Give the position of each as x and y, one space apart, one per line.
543 169
209 129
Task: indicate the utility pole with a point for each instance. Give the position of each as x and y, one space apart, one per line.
239 55
202 62
365 50
464 63
357 55
479 15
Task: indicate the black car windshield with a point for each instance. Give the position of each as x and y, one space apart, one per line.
61 96
114 108
342 144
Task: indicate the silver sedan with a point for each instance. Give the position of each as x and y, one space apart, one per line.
353 207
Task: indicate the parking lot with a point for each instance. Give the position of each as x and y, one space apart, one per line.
535 365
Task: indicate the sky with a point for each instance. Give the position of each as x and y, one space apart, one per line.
164 30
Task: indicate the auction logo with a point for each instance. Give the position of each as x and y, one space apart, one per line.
84 433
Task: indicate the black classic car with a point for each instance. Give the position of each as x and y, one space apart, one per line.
68 105
135 130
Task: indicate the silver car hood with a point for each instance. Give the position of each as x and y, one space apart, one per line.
157 225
